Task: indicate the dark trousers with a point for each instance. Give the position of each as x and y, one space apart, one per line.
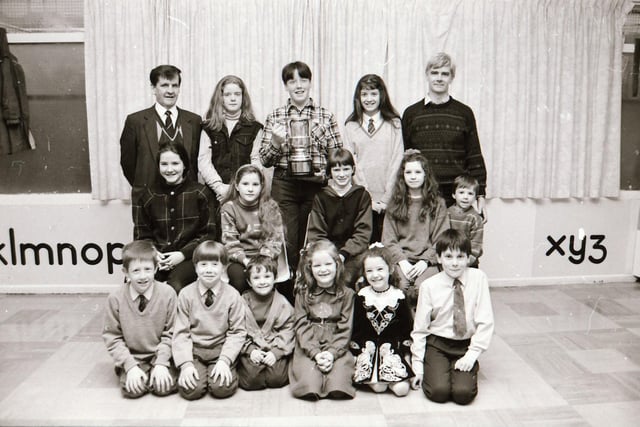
441 381
294 197
180 276
376 229
237 276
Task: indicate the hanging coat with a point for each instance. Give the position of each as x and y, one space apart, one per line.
14 108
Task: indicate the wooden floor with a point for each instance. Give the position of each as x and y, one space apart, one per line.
565 355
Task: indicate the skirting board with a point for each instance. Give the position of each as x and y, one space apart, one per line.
495 283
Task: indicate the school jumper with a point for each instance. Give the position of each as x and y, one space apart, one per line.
269 322
203 335
378 157
139 338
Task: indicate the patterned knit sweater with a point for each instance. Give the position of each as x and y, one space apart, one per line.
446 135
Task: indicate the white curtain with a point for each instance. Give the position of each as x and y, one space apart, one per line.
542 76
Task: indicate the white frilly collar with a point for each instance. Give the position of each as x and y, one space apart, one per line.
380 300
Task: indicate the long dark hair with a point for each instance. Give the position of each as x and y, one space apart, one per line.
370 82
400 200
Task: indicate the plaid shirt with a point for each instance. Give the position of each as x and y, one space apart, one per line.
174 218
324 135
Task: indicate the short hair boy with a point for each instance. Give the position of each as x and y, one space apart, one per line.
454 321
210 330
464 217
264 360
341 212
138 325
292 190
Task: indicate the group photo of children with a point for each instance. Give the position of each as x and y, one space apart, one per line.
287 253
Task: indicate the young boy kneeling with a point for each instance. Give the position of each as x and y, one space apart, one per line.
138 325
210 331
264 360
454 321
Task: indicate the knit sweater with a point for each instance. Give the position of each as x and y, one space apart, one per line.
209 333
131 336
378 157
345 220
414 240
470 223
446 135
243 235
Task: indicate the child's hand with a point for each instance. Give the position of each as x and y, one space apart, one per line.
324 360
417 269
269 358
405 267
279 134
161 379
170 260
136 380
222 371
416 382
188 376
257 356
378 207
465 363
221 190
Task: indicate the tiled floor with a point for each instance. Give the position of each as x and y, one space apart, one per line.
565 355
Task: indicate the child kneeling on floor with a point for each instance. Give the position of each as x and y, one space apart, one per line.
454 321
210 329
138 325
264 360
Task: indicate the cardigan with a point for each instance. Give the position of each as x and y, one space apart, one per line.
131 336
276 333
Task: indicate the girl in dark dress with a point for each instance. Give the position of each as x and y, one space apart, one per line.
382 324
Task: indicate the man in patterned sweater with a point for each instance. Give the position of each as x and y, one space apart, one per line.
444 130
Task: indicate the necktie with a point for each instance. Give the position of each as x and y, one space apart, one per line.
209 298
371 128
168 124
142 303
459 317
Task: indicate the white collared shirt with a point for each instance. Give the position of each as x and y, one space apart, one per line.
161 110
202 290
377 121
134 294
427 100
